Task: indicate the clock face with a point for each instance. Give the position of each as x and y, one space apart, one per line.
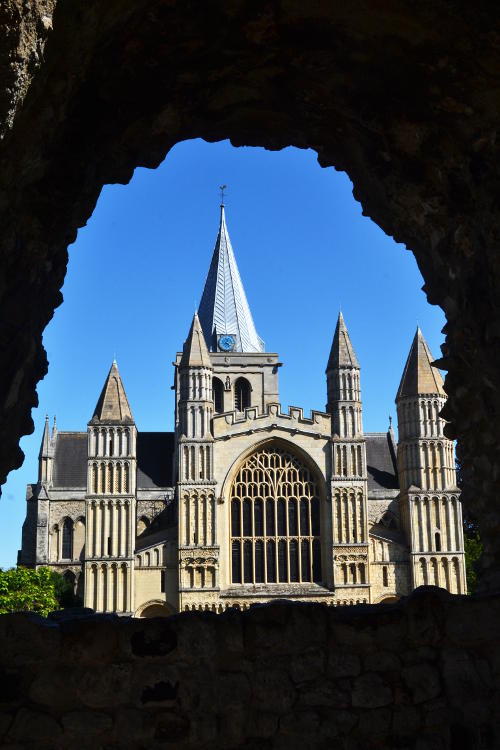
227 342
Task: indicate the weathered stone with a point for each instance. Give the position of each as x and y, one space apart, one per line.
325 693
405 721
300 723
308 665
170 727
375 722
33 725
371 691
461 678
423 681
196 702
273 691
232 689
5 722
342 663
86 723
262 724
54 688
382 661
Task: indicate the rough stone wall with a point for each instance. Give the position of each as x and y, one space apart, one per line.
422 674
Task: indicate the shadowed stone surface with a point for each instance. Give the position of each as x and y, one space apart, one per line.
428 687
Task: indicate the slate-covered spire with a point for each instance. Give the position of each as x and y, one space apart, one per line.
224 308
113 404
419 375
195 352
342 353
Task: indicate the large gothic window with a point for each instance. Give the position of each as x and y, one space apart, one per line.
275 520
241 394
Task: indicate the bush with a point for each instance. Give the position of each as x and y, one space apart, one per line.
27 590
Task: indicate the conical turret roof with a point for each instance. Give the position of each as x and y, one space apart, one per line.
342 353
46 441
224 306
113 404
419 375
195 351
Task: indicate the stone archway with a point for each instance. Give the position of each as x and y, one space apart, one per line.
399 96
154 608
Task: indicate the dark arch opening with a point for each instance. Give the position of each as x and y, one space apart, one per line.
218 395
242 391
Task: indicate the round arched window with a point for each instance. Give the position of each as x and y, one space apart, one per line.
275 520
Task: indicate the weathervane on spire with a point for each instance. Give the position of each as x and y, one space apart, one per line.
222 188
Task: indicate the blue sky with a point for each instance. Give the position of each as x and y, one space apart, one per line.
136 272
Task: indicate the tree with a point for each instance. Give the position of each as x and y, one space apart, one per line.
473 545
27 590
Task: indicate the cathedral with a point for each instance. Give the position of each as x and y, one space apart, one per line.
247 502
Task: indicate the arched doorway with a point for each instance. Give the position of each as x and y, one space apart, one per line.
154 609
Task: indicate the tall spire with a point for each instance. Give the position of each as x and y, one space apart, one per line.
342 353
195 352
46 442
419 375
224 307
113 405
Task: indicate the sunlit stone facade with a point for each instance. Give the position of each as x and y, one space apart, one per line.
246 502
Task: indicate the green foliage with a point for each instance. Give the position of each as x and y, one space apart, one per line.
27 590
473 551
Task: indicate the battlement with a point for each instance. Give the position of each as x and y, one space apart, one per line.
230 423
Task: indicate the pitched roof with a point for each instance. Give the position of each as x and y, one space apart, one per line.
224 306
155 452
342 353
113 404
195 352
70 461
419 376
381 466
154 460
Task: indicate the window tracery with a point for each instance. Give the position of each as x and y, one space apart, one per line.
275 520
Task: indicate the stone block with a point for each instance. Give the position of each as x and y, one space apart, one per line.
382 661
273 691
371 691
308 665
325 693
232 689
31 726
84 723
343 663
423 682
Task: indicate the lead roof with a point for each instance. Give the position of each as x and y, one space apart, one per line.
224 307
155 452
154 460
381 467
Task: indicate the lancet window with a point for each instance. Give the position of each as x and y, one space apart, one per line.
275 520
218 395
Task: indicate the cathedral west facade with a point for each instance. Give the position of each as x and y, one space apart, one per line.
246 502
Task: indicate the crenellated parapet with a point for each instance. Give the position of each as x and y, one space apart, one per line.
272 417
